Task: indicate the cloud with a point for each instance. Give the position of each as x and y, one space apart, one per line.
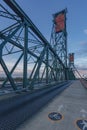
81 51
81 58
85 31
83 43
81 55
81 69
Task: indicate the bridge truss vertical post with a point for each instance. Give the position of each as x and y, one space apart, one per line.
47 65
25 56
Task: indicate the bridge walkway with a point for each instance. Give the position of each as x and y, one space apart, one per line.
71 104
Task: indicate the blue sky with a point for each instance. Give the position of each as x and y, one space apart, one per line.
41 11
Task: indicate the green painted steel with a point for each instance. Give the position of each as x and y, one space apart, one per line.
35 61
25 57
47 63
38 67
8 74
12 69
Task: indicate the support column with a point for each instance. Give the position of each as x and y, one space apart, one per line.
38 68
0 53
65 34
25 57
8 74
47 57
12 69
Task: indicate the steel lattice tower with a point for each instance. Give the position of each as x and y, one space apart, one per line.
59 39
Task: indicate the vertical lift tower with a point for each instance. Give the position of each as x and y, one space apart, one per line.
59 42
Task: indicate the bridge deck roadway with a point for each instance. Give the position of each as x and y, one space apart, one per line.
71 103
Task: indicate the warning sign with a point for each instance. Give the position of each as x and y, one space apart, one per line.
82 124
55 116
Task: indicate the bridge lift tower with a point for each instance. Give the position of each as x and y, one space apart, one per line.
71 66
59 41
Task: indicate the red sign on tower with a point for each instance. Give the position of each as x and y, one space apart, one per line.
71 57
59 22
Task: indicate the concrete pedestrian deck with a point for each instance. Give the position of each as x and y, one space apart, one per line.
71 103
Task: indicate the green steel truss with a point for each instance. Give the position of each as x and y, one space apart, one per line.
30 55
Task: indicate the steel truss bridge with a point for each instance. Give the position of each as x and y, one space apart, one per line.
26 52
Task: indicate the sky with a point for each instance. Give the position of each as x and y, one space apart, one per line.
41 13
